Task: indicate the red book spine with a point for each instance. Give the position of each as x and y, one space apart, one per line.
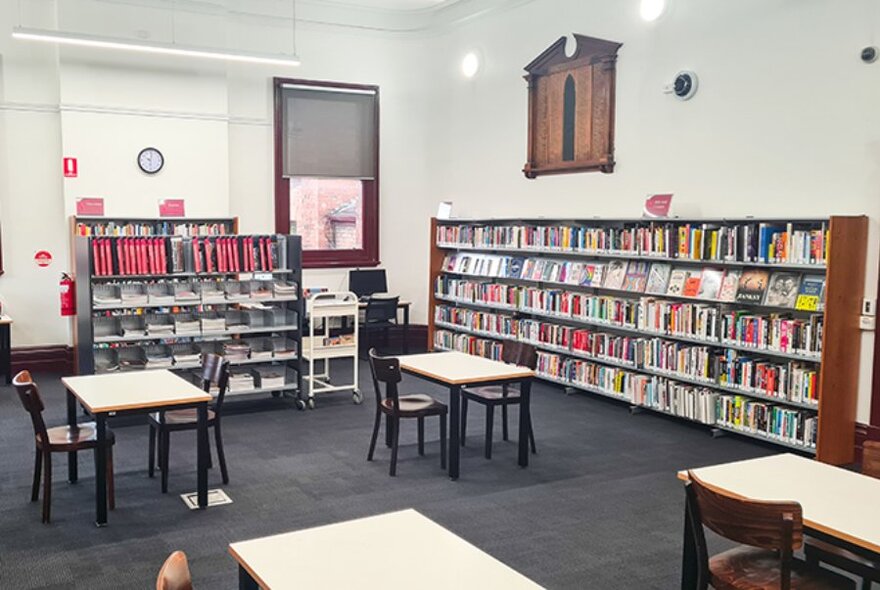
221 255
129 256
270 247
197 262
151 255
96 257
163 256
120 258
230 255
142 257
262 253
209 254
249 246
158 248
108 257
235 256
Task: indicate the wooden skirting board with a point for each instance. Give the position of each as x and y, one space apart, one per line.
51 358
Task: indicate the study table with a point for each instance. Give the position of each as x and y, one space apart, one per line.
839 506
457 370
132 393
398 550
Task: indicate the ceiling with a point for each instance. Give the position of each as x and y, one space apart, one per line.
390 4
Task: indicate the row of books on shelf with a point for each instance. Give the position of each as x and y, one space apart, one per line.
771 332
182 292
748 286
166 255
702 404
793 381
770 243
98 227
116 357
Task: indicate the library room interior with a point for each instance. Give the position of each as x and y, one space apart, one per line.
440 294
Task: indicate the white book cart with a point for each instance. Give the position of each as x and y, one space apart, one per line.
321 308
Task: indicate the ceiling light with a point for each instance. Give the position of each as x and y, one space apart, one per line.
152 47
470 65
651 10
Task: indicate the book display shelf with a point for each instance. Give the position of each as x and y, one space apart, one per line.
158 301
745 325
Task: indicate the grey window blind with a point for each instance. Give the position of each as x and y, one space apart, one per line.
329 132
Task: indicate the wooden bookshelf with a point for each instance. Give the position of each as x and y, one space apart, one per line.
835 368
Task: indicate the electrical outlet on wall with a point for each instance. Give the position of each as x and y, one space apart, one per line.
869 307
867 322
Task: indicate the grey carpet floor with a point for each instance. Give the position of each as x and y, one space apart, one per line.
599 507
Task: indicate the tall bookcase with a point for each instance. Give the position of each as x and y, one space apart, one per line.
759 367
128 319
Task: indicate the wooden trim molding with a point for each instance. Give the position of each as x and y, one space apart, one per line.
864 432
54 358
875 380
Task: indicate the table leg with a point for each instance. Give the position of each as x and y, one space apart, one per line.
101 471
406 330
7 352
524 421
246 581
454 429
689 555
202 459
71 421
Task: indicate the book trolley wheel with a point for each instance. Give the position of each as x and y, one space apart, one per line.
357 397
311 403
300 405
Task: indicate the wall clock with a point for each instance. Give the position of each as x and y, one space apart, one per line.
151 160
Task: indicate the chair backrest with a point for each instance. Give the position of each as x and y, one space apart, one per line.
871 458
174 574
768 525
381 309
215 369
521 354
32 402
385 370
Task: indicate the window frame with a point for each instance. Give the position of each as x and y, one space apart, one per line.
366 256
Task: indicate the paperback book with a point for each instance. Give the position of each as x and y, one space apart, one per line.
811 294
676 281
636 277
783 289
658 278
692 284
752 286
615 273
710 283
729 285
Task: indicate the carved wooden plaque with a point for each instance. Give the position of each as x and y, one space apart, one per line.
571 108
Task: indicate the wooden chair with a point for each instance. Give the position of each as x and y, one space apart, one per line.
60 439
162 424
174 574
769 533
513 353
817 551
394 406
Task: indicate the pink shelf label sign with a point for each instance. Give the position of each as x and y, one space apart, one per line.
171 208
658 205
92 206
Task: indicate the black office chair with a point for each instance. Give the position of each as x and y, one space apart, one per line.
380 315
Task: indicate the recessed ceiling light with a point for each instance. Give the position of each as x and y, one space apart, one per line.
651 10
470 65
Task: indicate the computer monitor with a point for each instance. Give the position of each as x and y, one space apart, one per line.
364 283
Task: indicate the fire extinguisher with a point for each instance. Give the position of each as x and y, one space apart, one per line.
68 295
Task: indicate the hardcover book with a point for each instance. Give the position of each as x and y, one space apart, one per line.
810 295
658 278
729 285
783 289
615 273
676 281
598 277
636 277
692 284
710 284
752 286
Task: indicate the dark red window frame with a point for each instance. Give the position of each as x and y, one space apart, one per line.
369 254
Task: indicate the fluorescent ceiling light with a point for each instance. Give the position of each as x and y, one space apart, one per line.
651 10
151 47
470 65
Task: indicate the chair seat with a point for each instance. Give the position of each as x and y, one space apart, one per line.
84 436
493 393
182 417
750 568
840 553
416 403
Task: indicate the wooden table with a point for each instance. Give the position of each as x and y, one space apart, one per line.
839 506
130 393
397 550
457 370
6 347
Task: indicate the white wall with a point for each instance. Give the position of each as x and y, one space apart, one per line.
785 122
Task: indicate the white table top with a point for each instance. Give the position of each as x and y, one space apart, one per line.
133 390
458 368
397 550
835 501
5 319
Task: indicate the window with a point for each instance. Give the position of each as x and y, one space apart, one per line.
326 170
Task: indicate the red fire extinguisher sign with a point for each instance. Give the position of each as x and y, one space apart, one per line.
68 295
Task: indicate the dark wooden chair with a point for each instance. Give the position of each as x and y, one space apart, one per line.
395 407
214 371
174 574
60 439
513 353
380 315
817 551
769 533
